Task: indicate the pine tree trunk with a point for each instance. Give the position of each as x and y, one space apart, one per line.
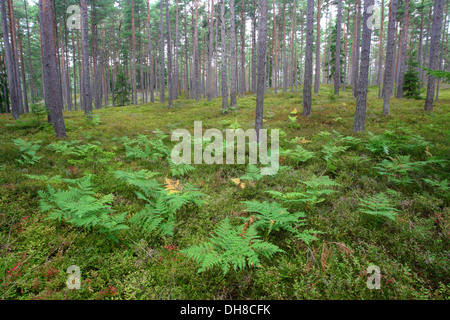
233 101
262 49
402 67
12 76
434 51
162 73
50 71
390 52
361 101
254 52
317 71
87 96
242 77
355 68
209 84
275 47
150 56
380 48
33 95
196 62
337 70
224 59
307 86
169 57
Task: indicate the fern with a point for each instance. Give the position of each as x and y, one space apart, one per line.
231 247
397 169
180 170
252 173
63 147
273 216
299 154
378 205
28 150
314 191
78 206
162 205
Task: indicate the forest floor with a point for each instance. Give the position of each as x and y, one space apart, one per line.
380 198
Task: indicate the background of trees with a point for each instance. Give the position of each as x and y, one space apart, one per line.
201 49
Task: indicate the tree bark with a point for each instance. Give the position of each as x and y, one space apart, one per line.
169 57
402 67
224 59
50 71
355 68
361 103
233 101
87 99
307 86
337 70
434 51
162 71
390 52
262 49
12 76
317 71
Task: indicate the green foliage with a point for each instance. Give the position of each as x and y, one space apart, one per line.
231 247
122 89
329 152
144 148
162 204
93 119
78 206
252 173
273 216
28 150
91 154
411 82
378 205
298 155
312 193
180 170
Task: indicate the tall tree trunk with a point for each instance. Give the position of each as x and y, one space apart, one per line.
380 48
402 67
262 49
87 96
434 51
15 57
355 68
150 56
50 70
275 47
307 86
233 74
254 52
390 52
177 67
345 49
242 77
285 72
361 101
317 71
33 95
12 76
169 57
209 85
224 59
196 62
133 54
337 70
22 67
162 71
294 47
